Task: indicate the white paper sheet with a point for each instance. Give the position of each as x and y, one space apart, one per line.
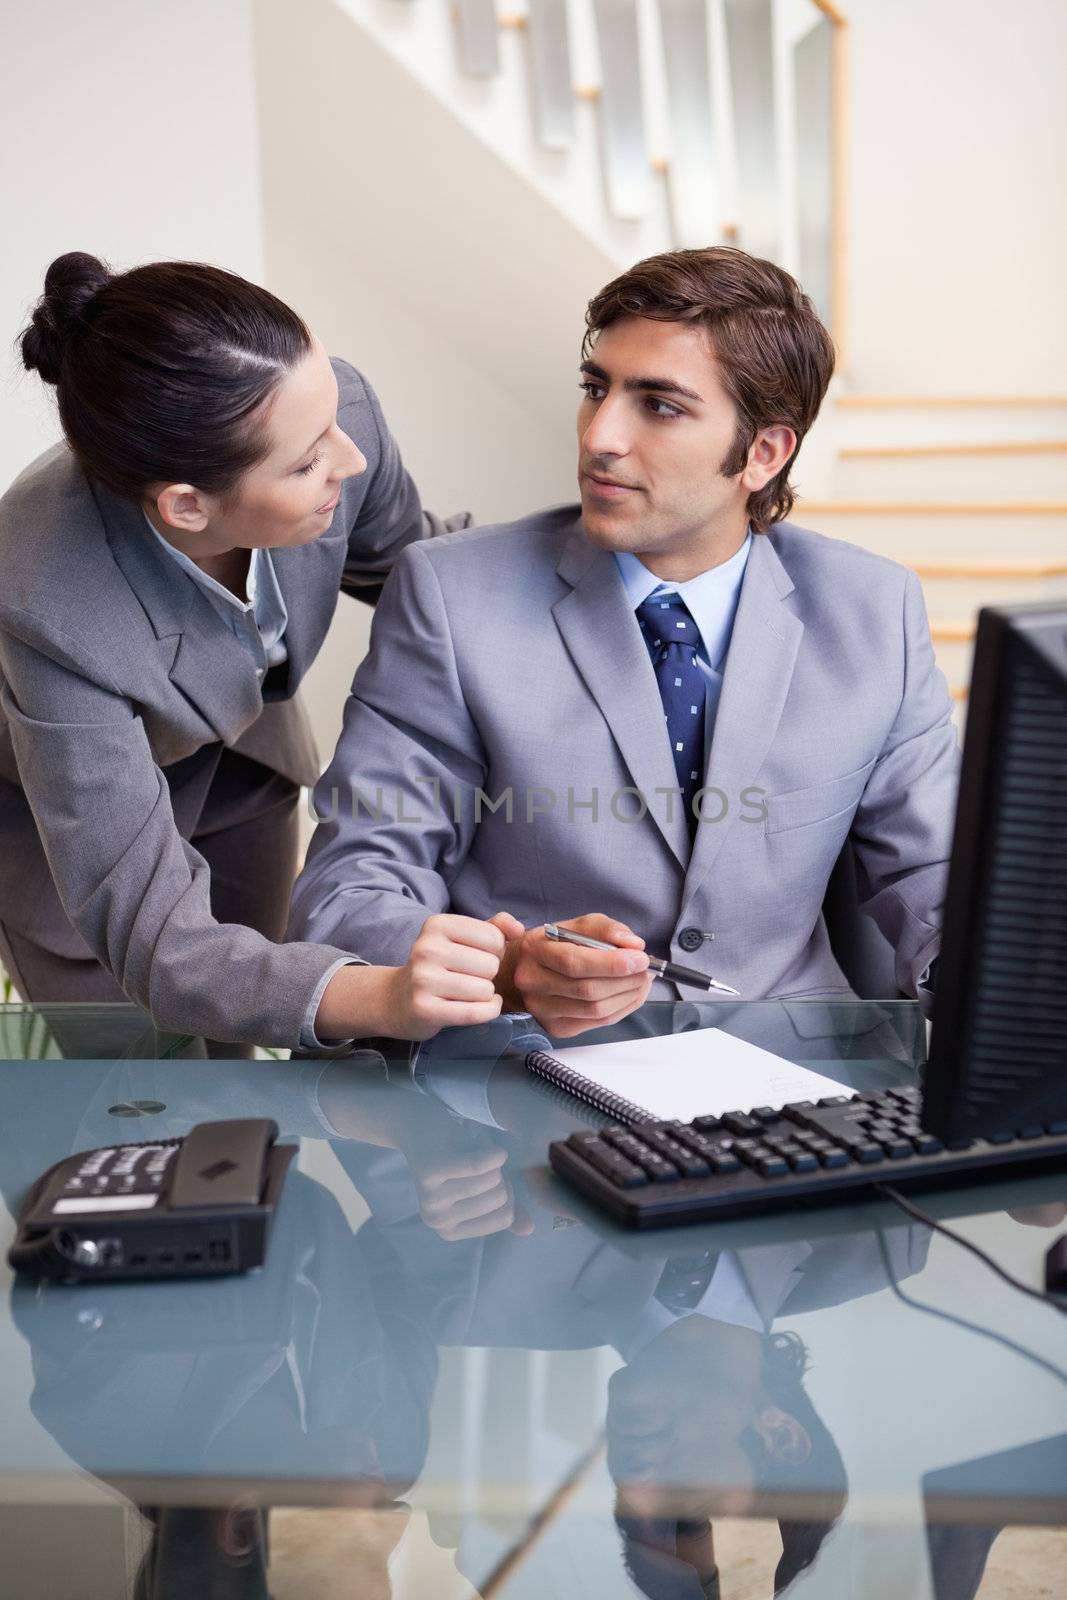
702 1073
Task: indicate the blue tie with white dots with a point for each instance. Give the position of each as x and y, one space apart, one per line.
666 623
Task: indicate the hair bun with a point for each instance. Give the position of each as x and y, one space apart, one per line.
70 283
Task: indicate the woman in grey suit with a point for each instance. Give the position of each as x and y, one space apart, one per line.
166 578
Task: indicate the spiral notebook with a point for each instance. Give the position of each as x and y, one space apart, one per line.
679 1075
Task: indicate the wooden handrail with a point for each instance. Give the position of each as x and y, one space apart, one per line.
828 9
934 508
988 569
907 402
952 632
1001 447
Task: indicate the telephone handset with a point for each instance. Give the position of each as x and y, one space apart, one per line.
171 1208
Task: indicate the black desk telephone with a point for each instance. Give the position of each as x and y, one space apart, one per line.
171 1208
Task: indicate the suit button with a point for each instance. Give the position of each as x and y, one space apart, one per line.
690 939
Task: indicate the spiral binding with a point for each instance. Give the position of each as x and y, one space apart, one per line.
611 1105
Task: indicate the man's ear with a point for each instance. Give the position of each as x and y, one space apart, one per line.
783 1437
182 507
768 454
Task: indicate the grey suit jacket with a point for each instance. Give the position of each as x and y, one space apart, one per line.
506 662
118 686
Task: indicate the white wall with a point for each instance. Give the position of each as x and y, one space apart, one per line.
128 130
959 124
425 259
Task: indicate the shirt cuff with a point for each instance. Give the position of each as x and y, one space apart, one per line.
309 1039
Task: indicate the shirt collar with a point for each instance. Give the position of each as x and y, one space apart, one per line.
207 582
711 596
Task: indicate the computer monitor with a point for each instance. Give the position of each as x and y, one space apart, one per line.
998 1050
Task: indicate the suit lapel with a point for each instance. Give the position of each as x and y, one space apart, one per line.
309 577
772 1272
604 642
200 655
759 669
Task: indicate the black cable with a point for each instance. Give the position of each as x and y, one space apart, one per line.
962 1322
1055 1301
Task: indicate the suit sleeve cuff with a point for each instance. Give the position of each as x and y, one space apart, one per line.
309 1039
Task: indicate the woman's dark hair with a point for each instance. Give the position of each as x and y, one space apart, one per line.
774 355
160 371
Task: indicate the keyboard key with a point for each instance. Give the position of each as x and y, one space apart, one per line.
625 1174
750 1153
959 1144
1003 1137
772 1167
1057 1128
691 1165
897 1149
835 1100
1030 1133
702 1145
865 1154
740 1122
724 1164
805 1161
707 1124
659 1169
797 1109
833 1158
928 1144
767 1115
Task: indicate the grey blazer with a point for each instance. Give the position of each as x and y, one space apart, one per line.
506 664
118 682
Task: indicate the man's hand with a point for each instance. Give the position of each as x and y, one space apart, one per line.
568 988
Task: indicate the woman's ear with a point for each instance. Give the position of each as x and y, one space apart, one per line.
783 1437
180 506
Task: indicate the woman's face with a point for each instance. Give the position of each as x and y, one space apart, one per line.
289 497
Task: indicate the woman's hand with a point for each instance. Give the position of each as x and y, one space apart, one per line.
447 982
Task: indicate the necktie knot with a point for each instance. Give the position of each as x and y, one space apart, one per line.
665 620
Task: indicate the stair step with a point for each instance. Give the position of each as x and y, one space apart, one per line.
953 531
873 422
1004 472
956 591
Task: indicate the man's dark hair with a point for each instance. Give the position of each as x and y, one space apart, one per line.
817 1486
774 356
159 371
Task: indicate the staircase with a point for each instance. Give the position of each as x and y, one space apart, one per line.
970 491
650 123
534 148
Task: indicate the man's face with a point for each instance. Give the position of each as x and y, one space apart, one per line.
654 427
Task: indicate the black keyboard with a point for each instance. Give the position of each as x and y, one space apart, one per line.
651 1174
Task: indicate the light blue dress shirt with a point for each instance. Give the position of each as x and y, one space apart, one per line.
712 598
259 622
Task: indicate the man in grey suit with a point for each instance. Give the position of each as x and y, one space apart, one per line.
663 711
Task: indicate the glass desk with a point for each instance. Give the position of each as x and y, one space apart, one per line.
487 1389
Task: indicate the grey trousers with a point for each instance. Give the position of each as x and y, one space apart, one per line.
247 832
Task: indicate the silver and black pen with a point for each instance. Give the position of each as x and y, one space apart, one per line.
665 969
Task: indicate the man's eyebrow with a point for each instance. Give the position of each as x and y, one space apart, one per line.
643 385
